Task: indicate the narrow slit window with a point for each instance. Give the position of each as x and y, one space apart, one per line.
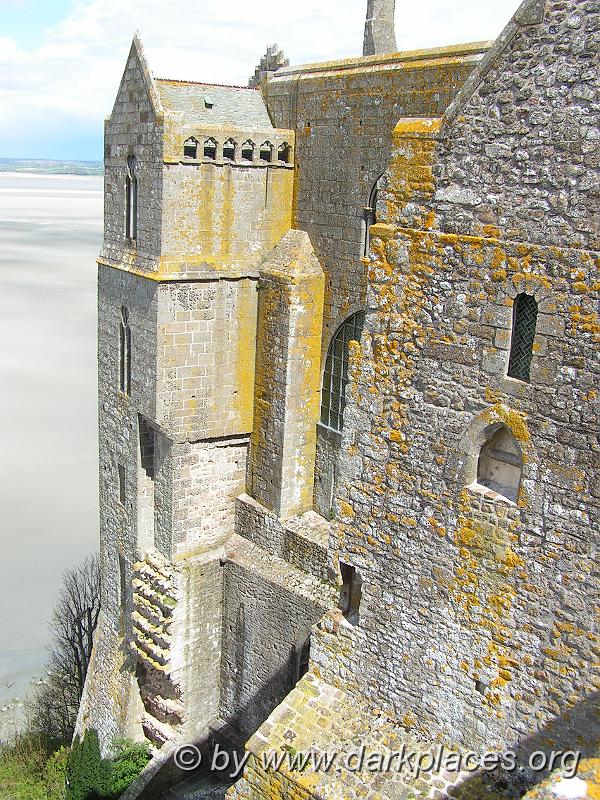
124 353
122 487
335 376
284 152
229 150
210 149
303 659
131 201
146 505
190 148
525 310
122 582
248 151
266 152
350 593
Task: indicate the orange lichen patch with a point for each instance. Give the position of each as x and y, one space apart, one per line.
437 526
491 231
512 560
584 322
346 509
515 420
429 220
410 125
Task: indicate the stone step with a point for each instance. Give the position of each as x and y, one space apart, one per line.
157 732
163 602
153 655
159 582
163 709
151 611
158 634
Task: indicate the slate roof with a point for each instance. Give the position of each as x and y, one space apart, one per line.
235 106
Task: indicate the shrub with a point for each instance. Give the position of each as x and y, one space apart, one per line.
86 770
129 760
90 777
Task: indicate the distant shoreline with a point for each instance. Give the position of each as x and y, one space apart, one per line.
42 166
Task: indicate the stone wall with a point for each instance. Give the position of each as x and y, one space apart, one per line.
269 608
225 213
205 340
343 114
477 619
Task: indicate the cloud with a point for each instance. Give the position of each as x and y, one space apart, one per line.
68 83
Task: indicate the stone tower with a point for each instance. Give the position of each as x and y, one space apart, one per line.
198 195
380 36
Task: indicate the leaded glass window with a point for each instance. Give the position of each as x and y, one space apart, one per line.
525 311
335 377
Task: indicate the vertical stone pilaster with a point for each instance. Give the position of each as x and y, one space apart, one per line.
290 315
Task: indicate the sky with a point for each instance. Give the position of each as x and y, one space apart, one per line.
61 60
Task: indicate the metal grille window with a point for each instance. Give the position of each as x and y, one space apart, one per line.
525 311
335 377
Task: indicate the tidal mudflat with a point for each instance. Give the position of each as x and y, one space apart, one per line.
50 234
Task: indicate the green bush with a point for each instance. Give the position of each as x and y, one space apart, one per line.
90 777
86 770
129 760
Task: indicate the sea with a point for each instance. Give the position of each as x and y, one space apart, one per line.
50 235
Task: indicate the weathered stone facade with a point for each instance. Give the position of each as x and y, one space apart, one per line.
436 556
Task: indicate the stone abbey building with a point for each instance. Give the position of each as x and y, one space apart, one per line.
348 396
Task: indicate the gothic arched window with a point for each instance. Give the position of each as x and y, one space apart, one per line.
525 309
131 201
190 148
229 150
370 217
210 148
266 152
248 150
124 352
335 377
284 152
500 463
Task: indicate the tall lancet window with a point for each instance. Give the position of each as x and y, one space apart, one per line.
369 218
131 200
335 376
525 310
124 353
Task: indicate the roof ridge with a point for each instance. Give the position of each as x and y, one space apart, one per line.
203 83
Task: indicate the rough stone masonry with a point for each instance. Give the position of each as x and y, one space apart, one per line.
348 410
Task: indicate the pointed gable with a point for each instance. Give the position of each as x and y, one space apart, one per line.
520 141
138 87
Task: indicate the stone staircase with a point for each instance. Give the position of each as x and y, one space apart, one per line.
155 601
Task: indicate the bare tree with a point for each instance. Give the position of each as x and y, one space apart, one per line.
72 625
